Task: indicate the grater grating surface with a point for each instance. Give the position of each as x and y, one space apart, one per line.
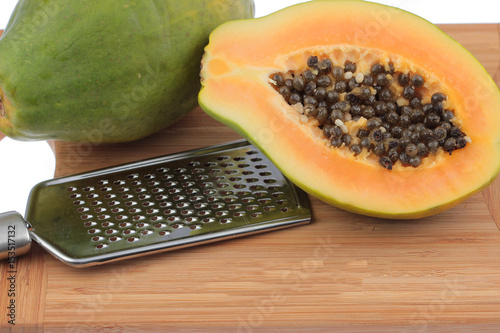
163 203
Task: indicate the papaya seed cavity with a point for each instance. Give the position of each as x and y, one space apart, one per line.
399 126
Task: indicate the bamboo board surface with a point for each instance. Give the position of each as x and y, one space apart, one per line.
343 272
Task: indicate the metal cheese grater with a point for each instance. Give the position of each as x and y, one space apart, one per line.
155 205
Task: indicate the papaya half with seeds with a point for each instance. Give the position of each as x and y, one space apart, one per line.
367 107
104 71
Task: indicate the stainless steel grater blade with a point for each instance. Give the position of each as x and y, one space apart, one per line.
159 204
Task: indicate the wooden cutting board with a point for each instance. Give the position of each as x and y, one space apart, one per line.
343 272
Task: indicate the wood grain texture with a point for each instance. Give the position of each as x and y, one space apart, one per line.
341 273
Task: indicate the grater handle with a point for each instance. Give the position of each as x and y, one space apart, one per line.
15 238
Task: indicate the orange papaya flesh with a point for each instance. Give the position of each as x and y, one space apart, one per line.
238 90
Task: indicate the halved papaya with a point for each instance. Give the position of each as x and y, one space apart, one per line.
367 107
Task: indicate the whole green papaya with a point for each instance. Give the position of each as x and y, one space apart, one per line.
104 71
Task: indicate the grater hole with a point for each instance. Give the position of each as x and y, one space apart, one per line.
142 225
218 178
217 205
130 203
150 176
210 164
157 190
261 166
146 232
200 205
239 186
182 205
265 173
260 193
187 212
201 177
243 165
193 163
251 180
179 197
174 191
234 206
125 224
113 203
75 195
103 182
128 232
160 225
107 224
239 158
88 188
252 152
82 209
180 170
169 211
284 209
94 231
256 159
152 211
191 219
188 184
208 220
195 198
223 158
97 238
248 199
148 203
89 224
256 214
230 199
212 171
115 239
209 191
126 196
197 170
256 187
264 201
192 191
235 179
132 239
225 220
242 193
269 208
133 176
194 227
101 246
156 218
165 204
277 194
164 233
109 196
71 189
86 216
103 217
105 189
140 190
138 218
177 226
153 183
167 177
119 182
161 197
247 172
222 185
226 192
270 181
238 214
221 213
131 211
184 177
121 217
99 209
136 182
163 170
173 219
252 207
92 195
204 212
273 188
231 171
227 165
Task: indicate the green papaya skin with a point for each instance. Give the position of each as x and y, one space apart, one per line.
104 71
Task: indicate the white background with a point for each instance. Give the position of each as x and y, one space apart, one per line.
24 164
